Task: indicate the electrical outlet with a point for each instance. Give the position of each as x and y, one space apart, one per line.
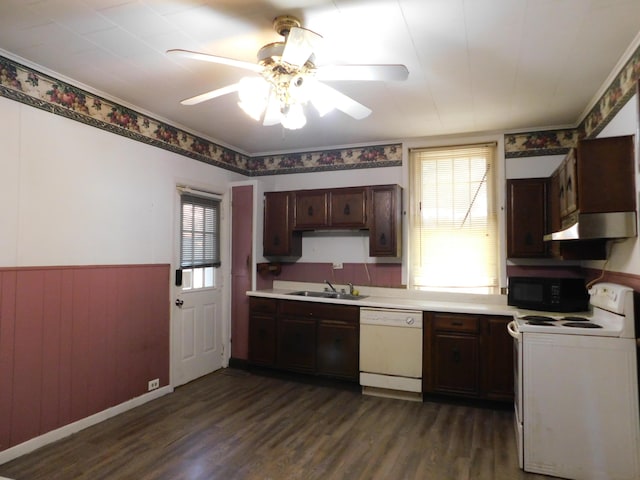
337 265
153 384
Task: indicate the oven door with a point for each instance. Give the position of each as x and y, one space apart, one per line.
512 328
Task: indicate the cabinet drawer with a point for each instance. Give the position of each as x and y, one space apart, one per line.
266 305
346 313
456 323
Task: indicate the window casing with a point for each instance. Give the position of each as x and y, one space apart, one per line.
453 221
200 241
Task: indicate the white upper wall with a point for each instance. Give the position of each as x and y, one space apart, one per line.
72 194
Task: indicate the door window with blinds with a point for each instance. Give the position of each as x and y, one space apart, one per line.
200 241
453 220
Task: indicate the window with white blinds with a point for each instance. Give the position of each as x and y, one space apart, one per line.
453 219
200 226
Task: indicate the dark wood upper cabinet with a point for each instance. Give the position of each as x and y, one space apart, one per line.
596 177
349 208
527 217
385 226
373 208
606 175
279 239
311 209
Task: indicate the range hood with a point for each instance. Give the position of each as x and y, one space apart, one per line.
592 226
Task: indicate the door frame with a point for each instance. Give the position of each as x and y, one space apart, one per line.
224 274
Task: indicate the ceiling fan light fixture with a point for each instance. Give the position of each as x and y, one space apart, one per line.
293 117
253 94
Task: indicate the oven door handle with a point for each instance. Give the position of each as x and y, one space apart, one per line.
512 328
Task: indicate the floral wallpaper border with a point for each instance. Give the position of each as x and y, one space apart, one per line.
340 159
28 86
555 142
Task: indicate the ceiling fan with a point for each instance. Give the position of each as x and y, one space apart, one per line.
289 79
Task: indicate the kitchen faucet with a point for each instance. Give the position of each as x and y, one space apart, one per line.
330 286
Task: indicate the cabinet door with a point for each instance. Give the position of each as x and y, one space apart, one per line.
570 183
562 192
311 209
262 339
279 240
338 350
297 344
498 359
527 218
262 331
348 208
554 222
385 221
456 363
606 175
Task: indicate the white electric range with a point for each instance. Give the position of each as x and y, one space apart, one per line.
576 380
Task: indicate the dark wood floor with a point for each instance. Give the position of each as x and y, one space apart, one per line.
237 425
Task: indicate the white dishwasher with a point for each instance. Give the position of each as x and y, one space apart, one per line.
391 352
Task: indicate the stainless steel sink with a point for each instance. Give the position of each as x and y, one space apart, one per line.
341 296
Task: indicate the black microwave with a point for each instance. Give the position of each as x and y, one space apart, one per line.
548 294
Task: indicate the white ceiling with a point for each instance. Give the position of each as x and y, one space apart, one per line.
474 65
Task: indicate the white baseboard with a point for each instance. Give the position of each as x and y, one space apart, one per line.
62 432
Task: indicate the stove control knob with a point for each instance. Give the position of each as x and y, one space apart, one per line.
410 321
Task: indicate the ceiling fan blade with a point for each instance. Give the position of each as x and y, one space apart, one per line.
212 94
300 45
205 57
362 72
272 114
324 95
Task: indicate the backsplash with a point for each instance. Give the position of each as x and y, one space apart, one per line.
363 274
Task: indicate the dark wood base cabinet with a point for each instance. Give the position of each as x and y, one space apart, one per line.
262 331
306 337
468 356
338 347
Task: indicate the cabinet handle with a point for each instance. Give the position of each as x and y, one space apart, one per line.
456 355
569 185
310 211
383 239
456 324
528 239
347 209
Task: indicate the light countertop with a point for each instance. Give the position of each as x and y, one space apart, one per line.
397 298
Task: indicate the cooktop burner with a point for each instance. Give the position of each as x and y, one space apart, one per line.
538 318
582 325
575 319
540 322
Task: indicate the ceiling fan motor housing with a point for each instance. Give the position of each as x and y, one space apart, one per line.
284 23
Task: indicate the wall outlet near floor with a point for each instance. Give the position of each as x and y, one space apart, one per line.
153 384
337 265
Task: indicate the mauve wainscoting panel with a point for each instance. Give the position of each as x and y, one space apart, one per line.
77 340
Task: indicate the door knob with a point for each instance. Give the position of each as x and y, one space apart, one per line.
179 302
